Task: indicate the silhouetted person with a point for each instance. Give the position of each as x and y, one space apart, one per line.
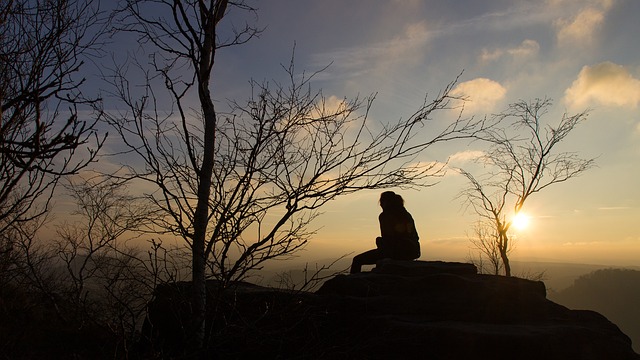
399 238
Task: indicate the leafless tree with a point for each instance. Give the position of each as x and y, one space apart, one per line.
242 186
27 263
94 274
107 278
43 45
484 241
88 246
523 159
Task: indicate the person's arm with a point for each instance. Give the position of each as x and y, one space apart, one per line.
386 226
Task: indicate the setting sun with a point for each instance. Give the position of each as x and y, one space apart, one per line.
520 221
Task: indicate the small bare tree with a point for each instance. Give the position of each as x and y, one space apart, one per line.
106 278
242 187
42 47
484 241
95 242
523 159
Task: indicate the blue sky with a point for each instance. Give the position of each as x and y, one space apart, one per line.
581 53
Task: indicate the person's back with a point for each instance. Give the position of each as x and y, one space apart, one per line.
398 236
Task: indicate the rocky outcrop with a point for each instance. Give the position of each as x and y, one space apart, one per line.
430 310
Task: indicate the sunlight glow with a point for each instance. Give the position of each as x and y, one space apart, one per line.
520 221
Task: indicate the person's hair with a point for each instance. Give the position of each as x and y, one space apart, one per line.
391 201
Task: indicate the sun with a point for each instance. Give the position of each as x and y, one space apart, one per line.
520 221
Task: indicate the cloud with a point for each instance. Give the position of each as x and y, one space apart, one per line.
582 243
606 84
406 46
525 49
466 156
482 94
330 105
608 208
580 30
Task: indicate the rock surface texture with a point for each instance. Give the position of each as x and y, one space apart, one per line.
399 310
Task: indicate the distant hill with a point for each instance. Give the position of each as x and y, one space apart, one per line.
615 293
557 276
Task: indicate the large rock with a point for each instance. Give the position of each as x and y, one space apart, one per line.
430 310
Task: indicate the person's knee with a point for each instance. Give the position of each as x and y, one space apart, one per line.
357 261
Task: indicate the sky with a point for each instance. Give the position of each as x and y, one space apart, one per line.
583 54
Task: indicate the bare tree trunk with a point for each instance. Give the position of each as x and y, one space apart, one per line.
210 17
199 285
504 249
202 209
200 227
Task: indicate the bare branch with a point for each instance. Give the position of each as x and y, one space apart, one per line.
43 137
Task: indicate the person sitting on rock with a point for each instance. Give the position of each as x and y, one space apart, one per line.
399 238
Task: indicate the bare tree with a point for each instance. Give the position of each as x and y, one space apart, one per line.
183 33
523 159
42 47
105 278
242 187
105 219
484 241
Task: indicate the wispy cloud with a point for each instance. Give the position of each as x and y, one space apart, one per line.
355 61
525 49
582 243
580 29
609 208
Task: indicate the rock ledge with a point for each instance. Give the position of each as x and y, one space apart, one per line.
416 309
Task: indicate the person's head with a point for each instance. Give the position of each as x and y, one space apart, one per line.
391 201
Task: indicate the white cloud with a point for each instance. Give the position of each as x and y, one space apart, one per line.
606 84
527 48
580 30
482 94
330 105
466 156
